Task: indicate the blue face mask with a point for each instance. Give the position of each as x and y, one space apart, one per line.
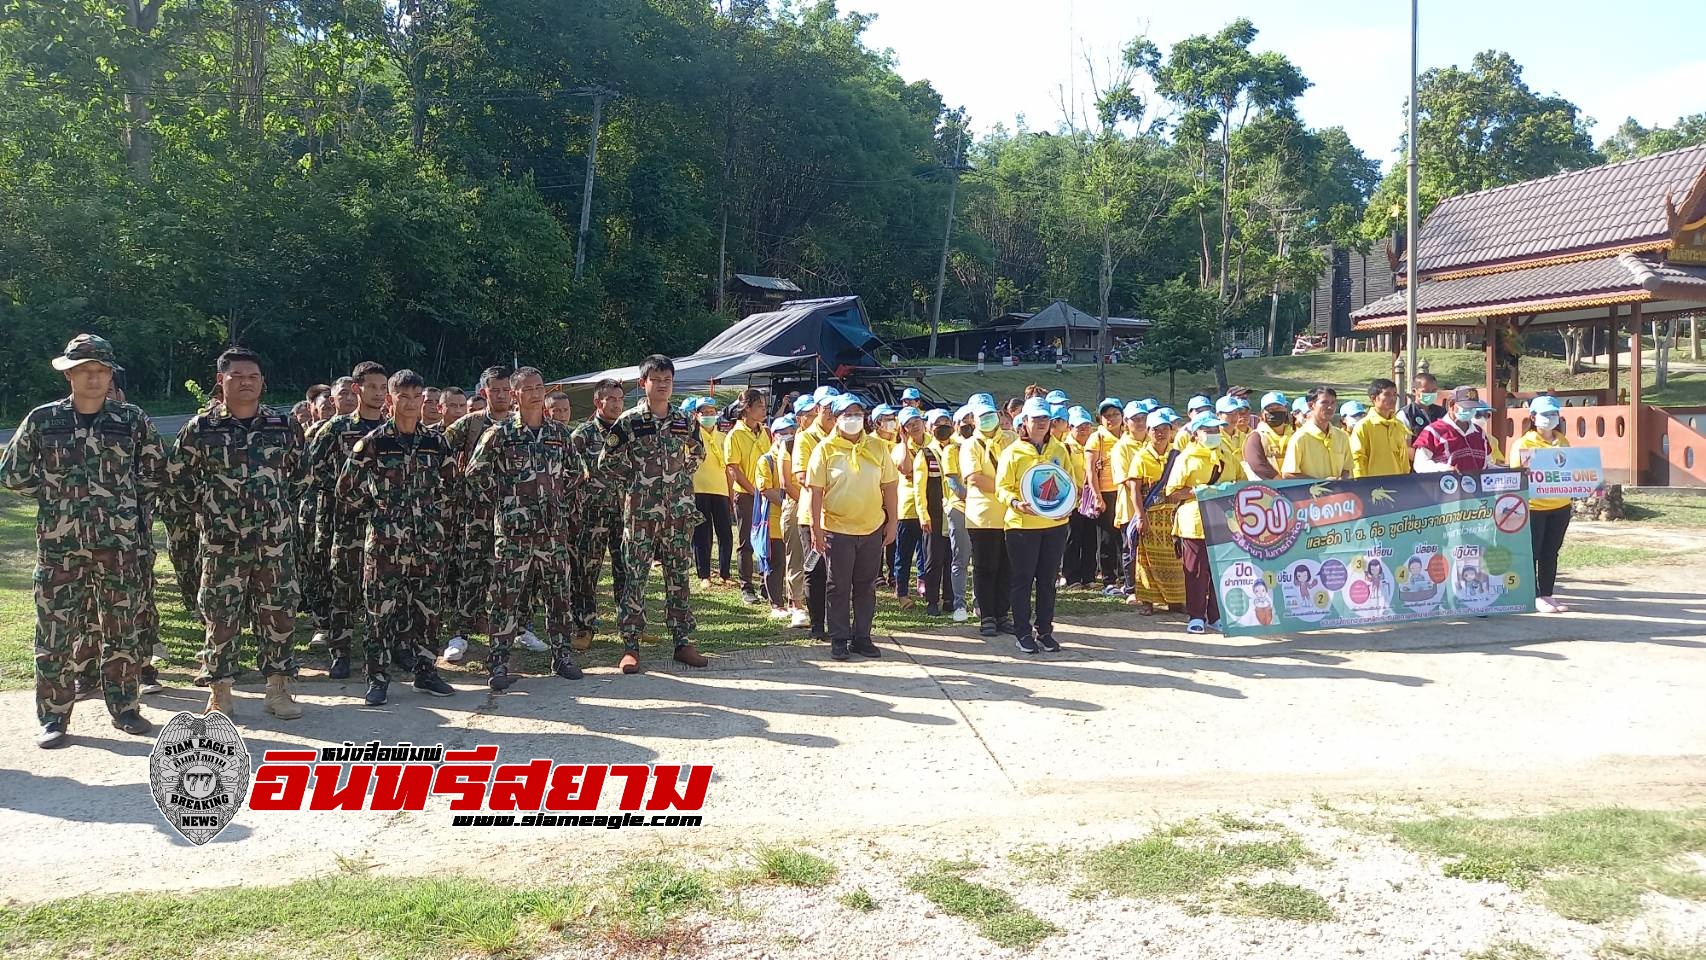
1209 440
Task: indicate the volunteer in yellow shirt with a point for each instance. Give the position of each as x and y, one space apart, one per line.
1100 449
959 535
1158 575
1380 444
1124 459
986 518
909 437
1204 463
741 450
1318 449
930 488
1548 517
819 420
1264 448
1084 535
770 479
710 493
1236 412
1036 544
1198 406
854 509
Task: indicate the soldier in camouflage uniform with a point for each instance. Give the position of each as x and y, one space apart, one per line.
92 465
474 553
452 405
522 467
341 526
314 553
242 465
652 451
397 476
599 503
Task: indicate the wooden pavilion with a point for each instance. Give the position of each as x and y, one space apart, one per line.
1608 248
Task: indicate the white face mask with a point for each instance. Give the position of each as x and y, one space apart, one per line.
707 419
1209 440
988 422
851 425
1546 421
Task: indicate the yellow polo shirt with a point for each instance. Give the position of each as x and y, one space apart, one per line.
1124 468
1312 453
908 494
949 451
1380 447
1020 457
742 448
806 440
851 474
767 475
984 511
1101 443
1196 468
710 477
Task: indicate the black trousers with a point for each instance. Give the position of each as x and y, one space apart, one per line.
817 584
991 573
938 583
1082 540
1547 528
776 581
910 534
851 598
714 519
1113 543
743 539
1035 557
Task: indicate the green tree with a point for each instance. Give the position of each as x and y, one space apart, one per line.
1634 140
1181 336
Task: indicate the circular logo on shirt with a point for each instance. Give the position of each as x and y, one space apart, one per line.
1048 489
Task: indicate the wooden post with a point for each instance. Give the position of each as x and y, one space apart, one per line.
1634 432
1693 337
1611 352
1489 350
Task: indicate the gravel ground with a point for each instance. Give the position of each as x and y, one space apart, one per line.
1387 902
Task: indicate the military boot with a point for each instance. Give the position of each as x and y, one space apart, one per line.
279 702
219 697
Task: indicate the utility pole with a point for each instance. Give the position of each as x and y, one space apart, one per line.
1412 216
598 96
947 233
1273 306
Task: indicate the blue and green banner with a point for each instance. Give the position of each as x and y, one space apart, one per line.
1294 555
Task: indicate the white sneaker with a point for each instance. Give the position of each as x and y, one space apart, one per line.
777 613
960 615
530 642
158 654
318 640
800 619
456 649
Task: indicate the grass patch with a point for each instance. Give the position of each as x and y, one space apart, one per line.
1665 510
793 867
1159 866
1234 824
1508 950
858 899
1042 864
650 894
337 916
1577 555
1657 950
1591 865
994 912
1281 901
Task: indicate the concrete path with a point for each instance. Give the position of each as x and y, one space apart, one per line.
949 735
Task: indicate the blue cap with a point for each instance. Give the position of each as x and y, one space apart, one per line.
1204 420
1134 409
979 406
1078 417
1352 408
988 399
911 393
1109 402
882 410
824 393
1230 405
803 403
1149 405
1300 404
1034 407
1057 411
1200 402
1483 407
1165 415
1057 396
1272 397
842 401
691 404
934 415
909 414
1545 404
784 422
965 410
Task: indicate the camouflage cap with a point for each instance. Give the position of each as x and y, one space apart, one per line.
86 348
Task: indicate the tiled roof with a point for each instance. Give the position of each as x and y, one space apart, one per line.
1511 290
1605 206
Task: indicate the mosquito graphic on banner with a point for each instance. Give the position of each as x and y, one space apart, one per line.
1297 555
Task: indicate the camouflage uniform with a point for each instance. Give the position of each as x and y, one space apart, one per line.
181 543
340 528
92 485
400 482
525 473
243 480
652 460
599 527
474 545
